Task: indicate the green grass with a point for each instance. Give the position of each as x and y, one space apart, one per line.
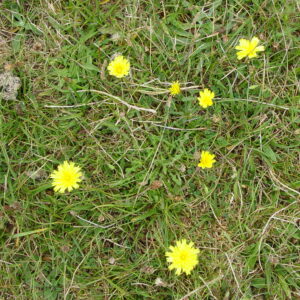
141 177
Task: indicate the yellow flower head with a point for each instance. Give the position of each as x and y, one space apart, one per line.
66 177
175 88
207 160
206 97
248 48
119 67
183 257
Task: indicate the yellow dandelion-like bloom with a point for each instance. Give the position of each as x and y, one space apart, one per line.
248 48
207 160
66 177
119 67
183 257
206 98
175 88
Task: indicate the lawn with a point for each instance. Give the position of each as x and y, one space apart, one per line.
138 148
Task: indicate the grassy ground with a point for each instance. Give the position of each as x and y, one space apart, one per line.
141 175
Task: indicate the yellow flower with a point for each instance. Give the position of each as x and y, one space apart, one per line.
183 257
207 160
206 98
175 88
119 67
66 177
248 48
